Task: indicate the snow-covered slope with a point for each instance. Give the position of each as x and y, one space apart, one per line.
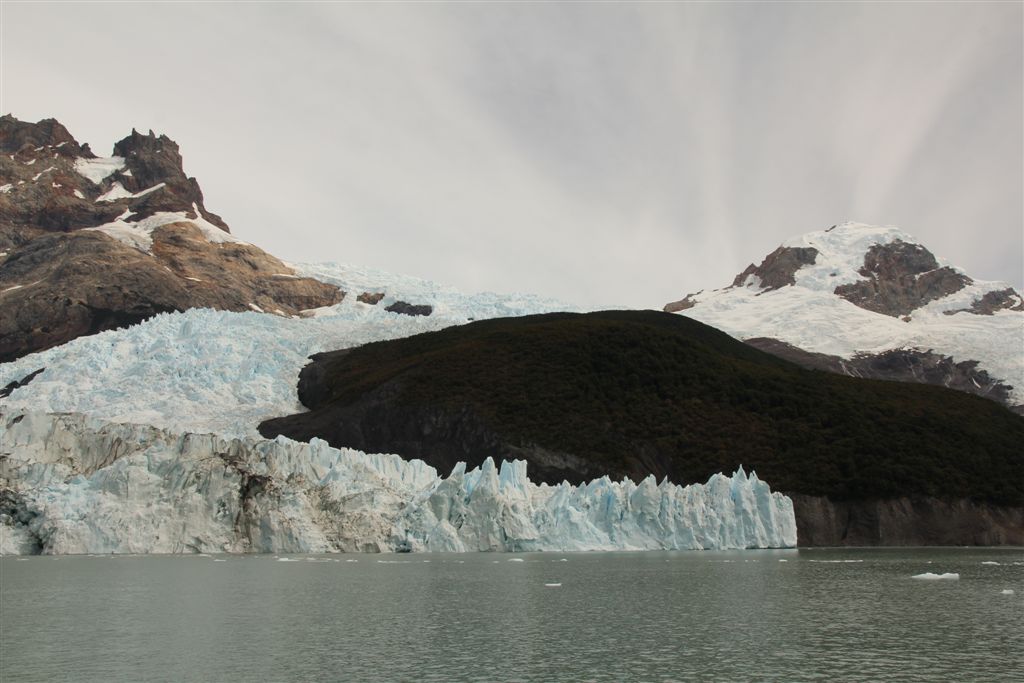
224 372
77 485
867 290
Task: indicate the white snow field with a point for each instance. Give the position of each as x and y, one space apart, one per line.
80 485
810 316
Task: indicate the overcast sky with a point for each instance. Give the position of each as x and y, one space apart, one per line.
598 153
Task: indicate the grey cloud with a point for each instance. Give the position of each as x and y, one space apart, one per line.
600 153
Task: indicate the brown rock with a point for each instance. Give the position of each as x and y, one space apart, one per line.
60 282
370 298
1003 299
778 269
901 277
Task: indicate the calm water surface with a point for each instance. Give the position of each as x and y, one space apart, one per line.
732 616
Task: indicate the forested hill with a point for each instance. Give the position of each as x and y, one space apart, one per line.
641 392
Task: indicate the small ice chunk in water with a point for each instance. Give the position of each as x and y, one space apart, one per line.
558 585
928 576
516 559
1006 591
995 563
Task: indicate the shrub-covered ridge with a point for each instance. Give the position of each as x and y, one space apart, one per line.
631 393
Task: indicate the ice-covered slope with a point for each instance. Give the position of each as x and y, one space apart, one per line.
857 290
77 485
223 372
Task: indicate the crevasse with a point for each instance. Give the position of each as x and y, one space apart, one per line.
74 484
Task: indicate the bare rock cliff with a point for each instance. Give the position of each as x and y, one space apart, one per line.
90 244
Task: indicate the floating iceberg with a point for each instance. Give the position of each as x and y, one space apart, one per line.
75 484
928 576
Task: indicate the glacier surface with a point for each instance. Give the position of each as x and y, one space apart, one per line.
75 484
223 372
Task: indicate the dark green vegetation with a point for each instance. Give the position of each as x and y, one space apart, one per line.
638 392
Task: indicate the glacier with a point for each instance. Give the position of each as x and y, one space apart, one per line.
224 372
70 483
143 440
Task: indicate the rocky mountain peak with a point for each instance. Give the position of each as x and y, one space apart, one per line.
89 243
880 269
51 182
150 158
914 317
16 136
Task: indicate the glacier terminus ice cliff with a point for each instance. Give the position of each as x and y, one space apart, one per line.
74 484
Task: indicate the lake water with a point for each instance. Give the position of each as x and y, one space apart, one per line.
731 616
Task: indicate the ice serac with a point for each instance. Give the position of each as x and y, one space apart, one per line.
73 484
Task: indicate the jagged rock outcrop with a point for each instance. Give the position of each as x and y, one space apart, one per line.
999 300
90 244
872 302
371 298
901 278
778 268
409 309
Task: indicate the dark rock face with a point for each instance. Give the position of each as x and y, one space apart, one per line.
60 281
409 309
901 277
16 135
1004 299
153 160
18 383
778 269
87 282
899 365
905 521
686 302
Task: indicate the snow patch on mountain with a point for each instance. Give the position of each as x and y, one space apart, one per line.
98 169
77 485
223 372
117 191
139 234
